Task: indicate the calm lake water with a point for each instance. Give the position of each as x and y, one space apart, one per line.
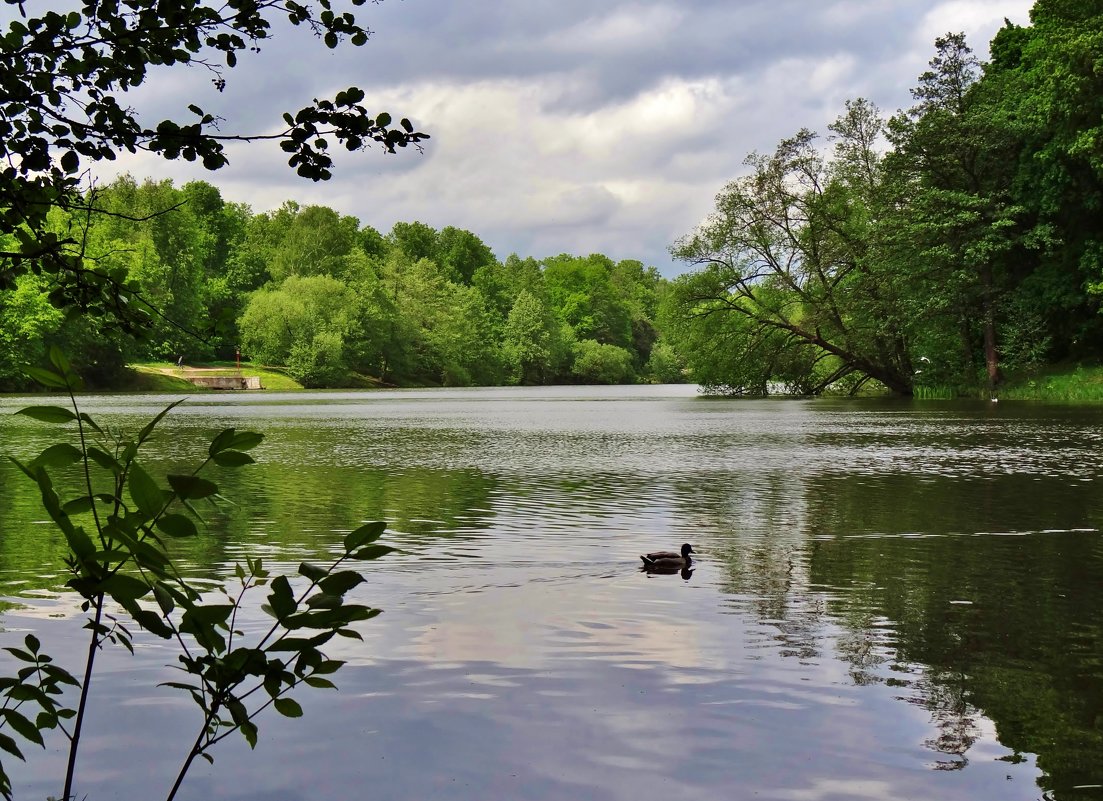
893 600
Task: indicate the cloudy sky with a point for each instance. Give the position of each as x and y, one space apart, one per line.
568 126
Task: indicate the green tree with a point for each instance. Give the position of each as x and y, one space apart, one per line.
529 341
1046 78
462 254
27 321
598 363
954 155
64 81
581 291
788 251
316 240
305 325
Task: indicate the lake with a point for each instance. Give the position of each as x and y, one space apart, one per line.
892 600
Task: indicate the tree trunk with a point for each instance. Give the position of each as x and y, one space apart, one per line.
991 355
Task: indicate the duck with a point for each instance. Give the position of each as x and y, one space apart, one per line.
668 559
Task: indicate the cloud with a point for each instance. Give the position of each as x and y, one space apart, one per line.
569 126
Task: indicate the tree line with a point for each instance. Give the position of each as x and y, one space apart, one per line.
940 246
333 302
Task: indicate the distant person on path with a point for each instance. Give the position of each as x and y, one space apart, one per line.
180 362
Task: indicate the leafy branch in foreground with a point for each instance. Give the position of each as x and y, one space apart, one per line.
116 529
66 80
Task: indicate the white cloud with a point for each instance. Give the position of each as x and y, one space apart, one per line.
560 128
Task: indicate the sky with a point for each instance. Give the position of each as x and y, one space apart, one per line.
565 126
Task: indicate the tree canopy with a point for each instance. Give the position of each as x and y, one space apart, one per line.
64 80
939 247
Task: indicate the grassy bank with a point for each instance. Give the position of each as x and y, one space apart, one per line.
167 377
1074 383
1055 383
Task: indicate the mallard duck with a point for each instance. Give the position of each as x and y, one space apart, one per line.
668 559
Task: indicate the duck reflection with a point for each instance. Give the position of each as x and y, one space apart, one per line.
684 572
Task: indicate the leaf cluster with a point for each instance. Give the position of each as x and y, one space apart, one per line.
117 528
64 78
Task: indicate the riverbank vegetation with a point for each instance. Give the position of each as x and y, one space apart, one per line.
930 251
335 303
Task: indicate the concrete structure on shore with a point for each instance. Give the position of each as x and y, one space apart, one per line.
224 381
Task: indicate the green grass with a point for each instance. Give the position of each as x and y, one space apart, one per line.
167 377
934 393
1077 383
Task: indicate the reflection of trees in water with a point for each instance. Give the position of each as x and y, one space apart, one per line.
955 719
756 527
282 508
892 570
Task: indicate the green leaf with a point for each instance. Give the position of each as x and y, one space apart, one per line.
232 459
288 707
176 525
90 422
176 685
58 360
164 598
211 614
78 506
281 598
340 583
23 726
320 683
8 744
123 588
192 487
60 455
237 710
323 601
49 414
153 623
372 552
24 468
47 378
329 666
145 492
246 440
367 533
221 442
143 435
104 459
21 654
32 643
312 572
78 540
249 732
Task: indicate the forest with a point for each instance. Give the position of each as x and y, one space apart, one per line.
945 246
942 246
336 303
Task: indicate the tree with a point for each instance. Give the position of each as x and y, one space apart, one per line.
305 325
64 77
788 251
1046 78
529 341
315 241
954 153
597 363
462 254
581 291
26 319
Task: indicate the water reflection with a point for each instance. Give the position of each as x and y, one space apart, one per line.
892 601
